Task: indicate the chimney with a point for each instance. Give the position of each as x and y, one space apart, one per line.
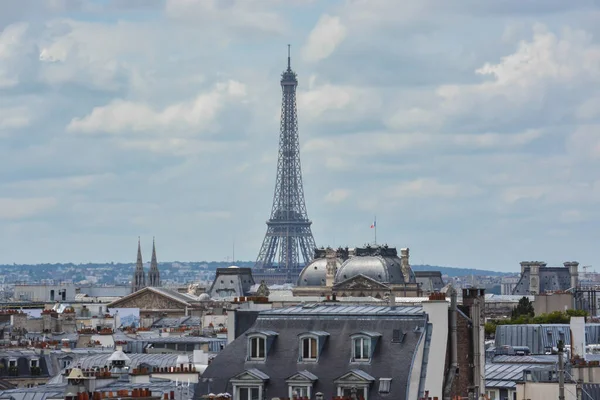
534 276
577 326
331 268
573 267
405 264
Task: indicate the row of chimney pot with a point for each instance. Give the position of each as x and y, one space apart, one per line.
437 296
135 393
255 299
105 371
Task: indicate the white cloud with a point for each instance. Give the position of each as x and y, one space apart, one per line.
337 196
373 144
426 187
584 142
123 116
12 47
243 15
14 118
494 130
326 102
324 38
19 208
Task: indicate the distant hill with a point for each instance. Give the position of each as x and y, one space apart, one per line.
456 271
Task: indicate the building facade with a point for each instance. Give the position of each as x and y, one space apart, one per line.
537 278
374 271
373 352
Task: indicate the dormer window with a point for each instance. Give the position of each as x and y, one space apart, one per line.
362 349
311 344
259 343
34 363
363 345
309 349
257 348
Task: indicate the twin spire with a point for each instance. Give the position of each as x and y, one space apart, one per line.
139 276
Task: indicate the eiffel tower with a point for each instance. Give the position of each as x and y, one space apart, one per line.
289 237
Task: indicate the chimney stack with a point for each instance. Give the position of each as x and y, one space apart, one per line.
573 267
331 268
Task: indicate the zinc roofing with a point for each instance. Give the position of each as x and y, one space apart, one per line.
345 310
539 337
503 375
533 359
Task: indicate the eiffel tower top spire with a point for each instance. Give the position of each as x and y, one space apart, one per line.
154 274
139 276
289 239
288 78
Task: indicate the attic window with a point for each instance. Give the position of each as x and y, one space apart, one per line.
384 385
257 348
310 345
259 343
363 345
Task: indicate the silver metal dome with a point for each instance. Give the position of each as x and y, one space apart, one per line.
380 268
314 273
204 297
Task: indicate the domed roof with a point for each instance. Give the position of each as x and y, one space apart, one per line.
314 273
385 269
204 297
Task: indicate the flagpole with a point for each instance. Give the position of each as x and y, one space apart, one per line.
375 225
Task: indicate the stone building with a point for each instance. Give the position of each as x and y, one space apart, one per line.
231 282
537 278
155 303
377 352
24 368
429 281
363 271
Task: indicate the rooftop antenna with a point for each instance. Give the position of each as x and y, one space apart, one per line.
289 60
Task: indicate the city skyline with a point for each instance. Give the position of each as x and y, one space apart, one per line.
469 129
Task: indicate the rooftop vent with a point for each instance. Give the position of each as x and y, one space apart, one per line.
398 336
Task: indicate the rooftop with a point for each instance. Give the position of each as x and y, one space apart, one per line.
345 310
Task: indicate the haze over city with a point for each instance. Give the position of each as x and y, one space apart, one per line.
469 129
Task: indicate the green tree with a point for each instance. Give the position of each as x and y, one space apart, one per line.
523 309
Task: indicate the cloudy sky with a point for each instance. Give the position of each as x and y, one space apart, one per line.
471 129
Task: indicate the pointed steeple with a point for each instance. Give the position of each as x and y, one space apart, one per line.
139 276
154 274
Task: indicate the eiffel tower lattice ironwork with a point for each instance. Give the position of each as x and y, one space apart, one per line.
289 237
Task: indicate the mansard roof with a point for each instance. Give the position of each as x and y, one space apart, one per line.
340 322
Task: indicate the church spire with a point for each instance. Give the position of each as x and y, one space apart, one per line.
139 276
154 274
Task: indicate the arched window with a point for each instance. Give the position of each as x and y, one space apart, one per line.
363 345
259 343
310 345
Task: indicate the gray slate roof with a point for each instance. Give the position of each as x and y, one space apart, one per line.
100 360
390 360
504 375
157 386
430 281
551 279
591 391
176 322
231 282
539 337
